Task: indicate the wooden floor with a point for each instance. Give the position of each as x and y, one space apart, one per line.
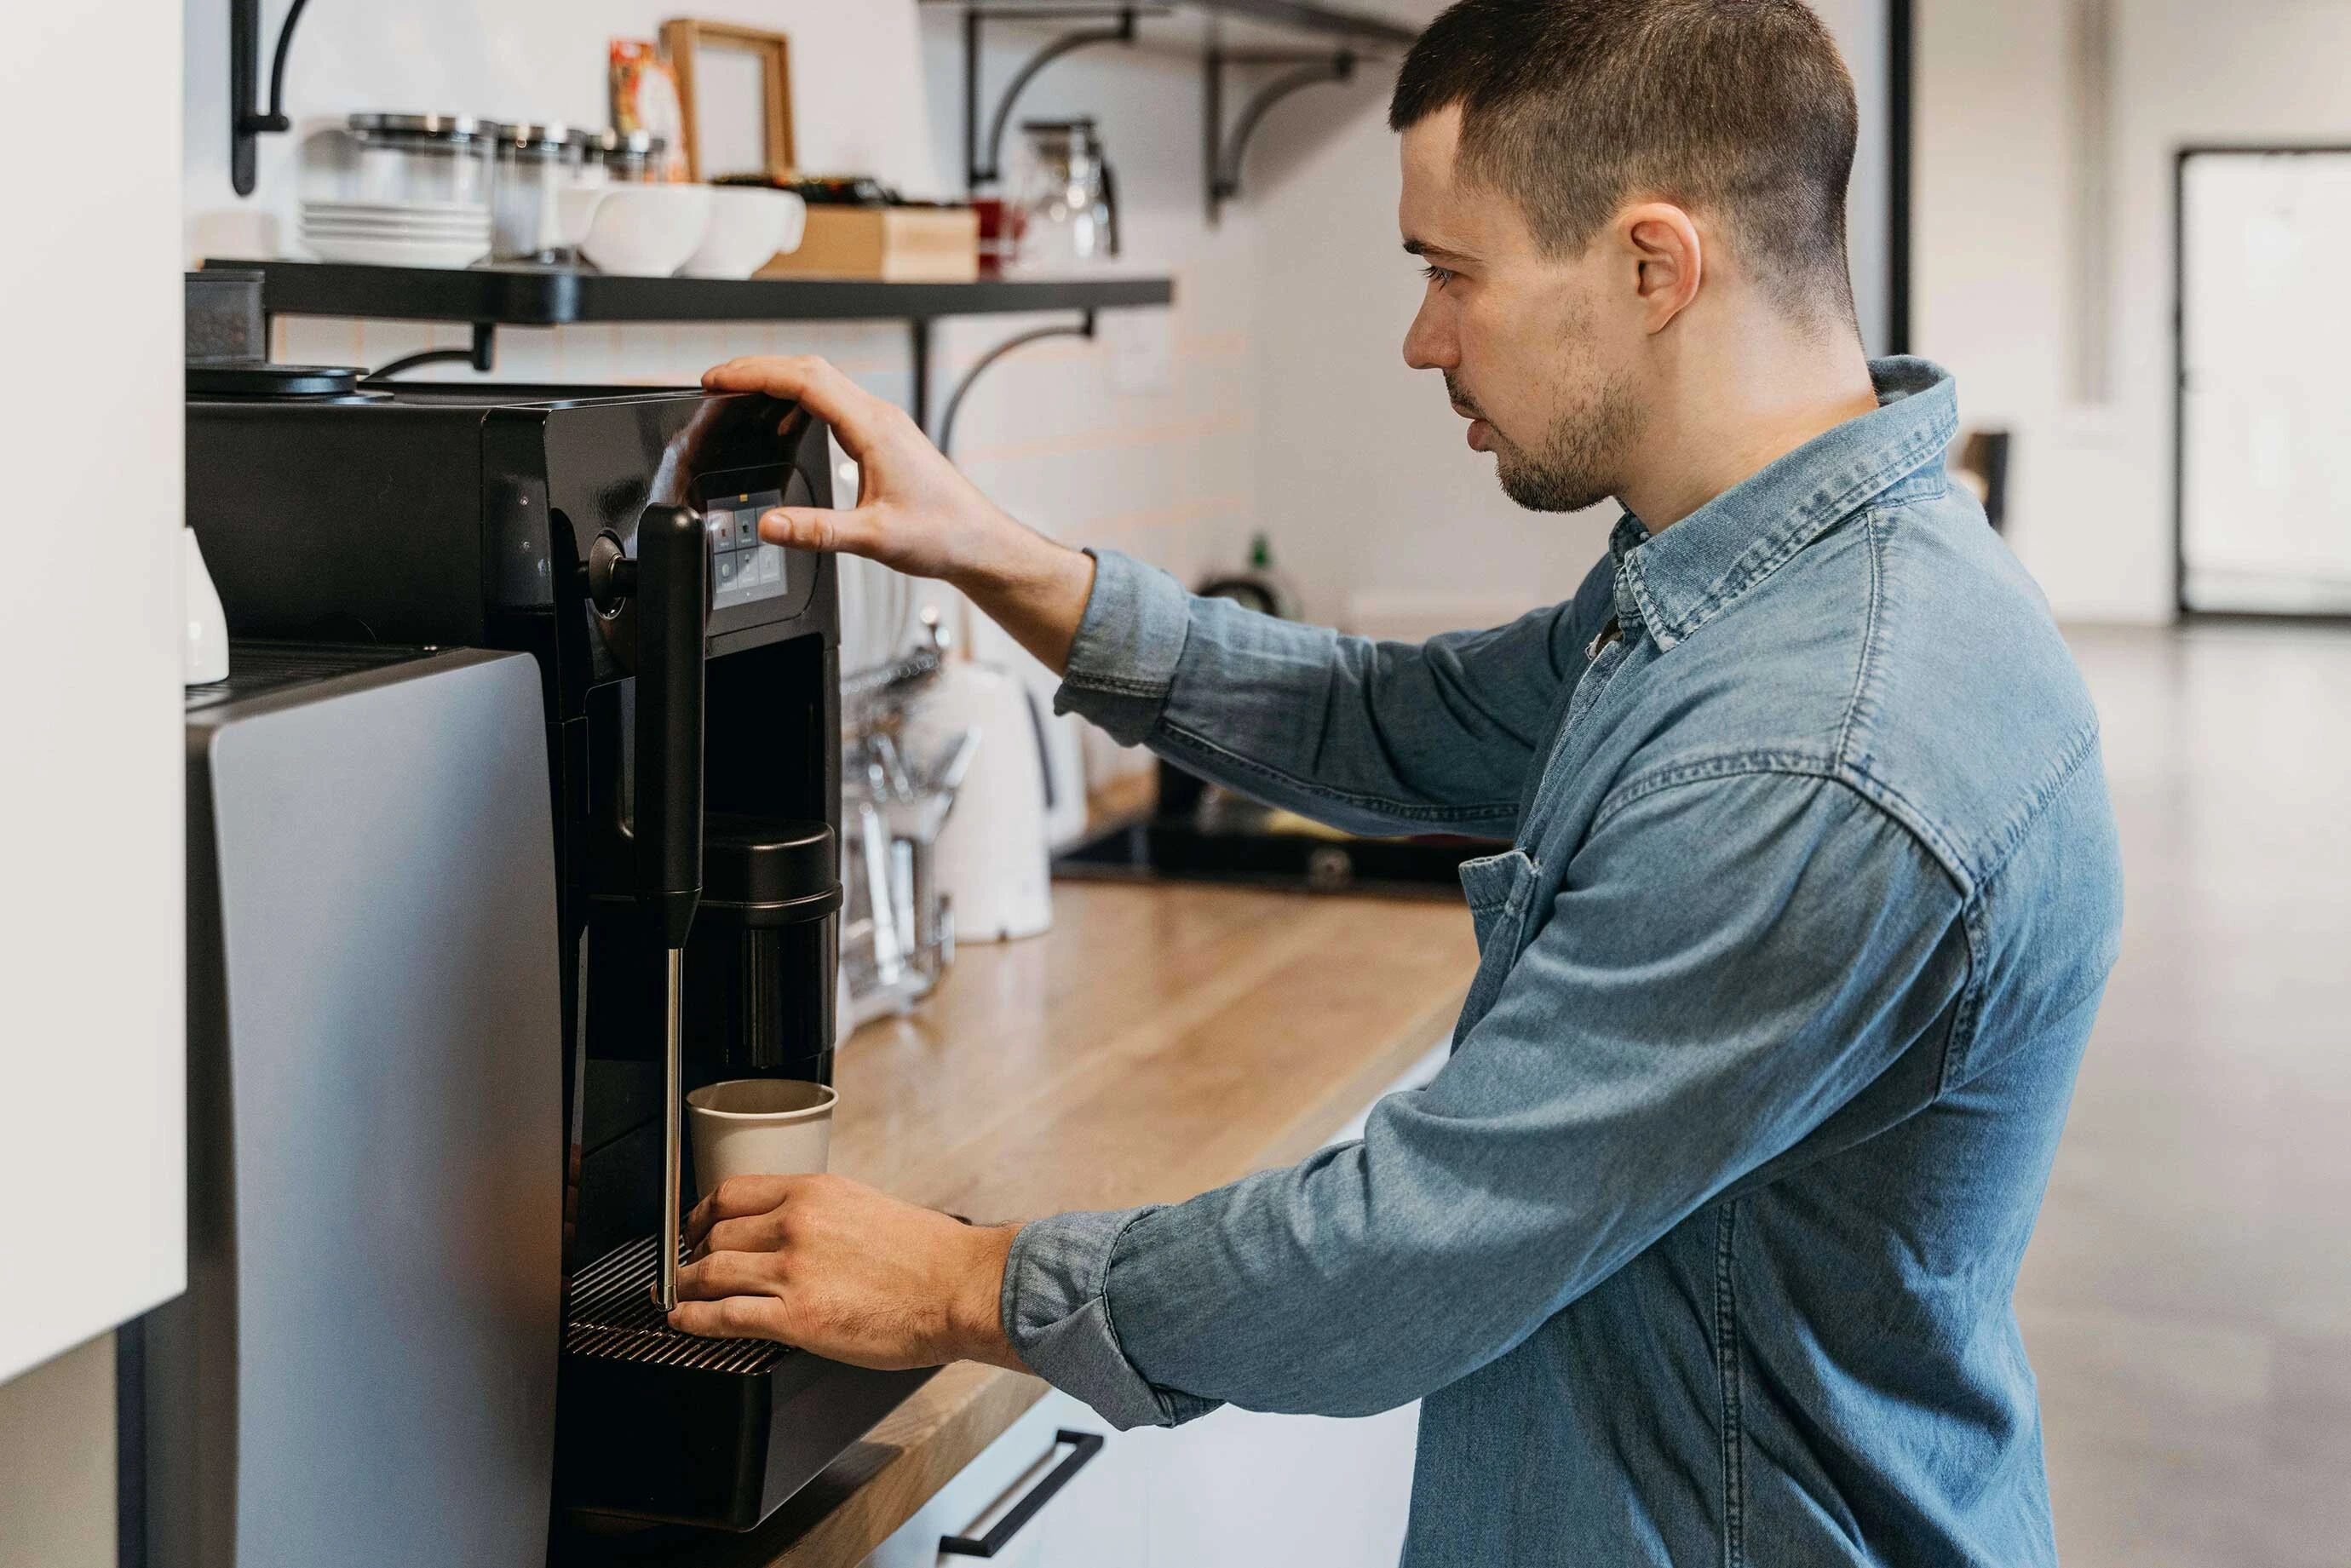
2188 1295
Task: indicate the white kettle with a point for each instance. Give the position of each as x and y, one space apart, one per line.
991 856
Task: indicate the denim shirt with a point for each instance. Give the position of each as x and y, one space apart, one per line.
1701 1248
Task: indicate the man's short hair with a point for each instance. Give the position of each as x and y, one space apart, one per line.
1738 110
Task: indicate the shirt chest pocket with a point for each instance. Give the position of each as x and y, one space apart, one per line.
1500 889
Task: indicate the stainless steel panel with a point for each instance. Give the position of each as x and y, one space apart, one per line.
364 1370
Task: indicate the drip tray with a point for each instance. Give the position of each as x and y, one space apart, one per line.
613 1317
658 1424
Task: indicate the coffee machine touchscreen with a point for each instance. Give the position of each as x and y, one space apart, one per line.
742 567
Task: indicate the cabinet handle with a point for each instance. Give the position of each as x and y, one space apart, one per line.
1083 1446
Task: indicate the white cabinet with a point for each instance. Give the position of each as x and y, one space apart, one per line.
93 1168
1233 1490
1238 1489
1096 1519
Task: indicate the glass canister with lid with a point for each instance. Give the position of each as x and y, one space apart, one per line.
536 164
627 158
419 160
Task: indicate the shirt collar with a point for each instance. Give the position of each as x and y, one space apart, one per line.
1679 579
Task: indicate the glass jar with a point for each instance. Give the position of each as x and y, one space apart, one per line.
420 159
536 164
628 158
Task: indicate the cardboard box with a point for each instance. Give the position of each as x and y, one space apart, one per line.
893 245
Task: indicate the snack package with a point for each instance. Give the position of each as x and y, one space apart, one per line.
645 97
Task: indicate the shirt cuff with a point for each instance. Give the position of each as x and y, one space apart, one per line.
1128 645
1056 1312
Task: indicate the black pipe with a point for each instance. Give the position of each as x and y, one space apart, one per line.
1901 52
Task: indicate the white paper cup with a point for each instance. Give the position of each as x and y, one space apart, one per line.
759 1126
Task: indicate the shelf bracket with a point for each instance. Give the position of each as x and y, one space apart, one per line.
1223 149
1081 327
247 122
983 161
482 355
918 346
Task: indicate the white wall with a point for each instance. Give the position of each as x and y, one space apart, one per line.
1163 465
2090 501
92 1169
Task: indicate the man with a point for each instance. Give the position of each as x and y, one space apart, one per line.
1701 1248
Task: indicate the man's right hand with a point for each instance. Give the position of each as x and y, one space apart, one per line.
916 513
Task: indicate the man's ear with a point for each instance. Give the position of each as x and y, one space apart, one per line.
1669 261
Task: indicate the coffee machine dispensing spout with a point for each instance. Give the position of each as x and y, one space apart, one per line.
673 594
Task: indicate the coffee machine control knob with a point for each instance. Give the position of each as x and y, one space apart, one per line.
612 575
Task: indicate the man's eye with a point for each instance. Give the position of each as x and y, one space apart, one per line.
1437 275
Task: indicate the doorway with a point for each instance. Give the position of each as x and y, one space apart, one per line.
2262 415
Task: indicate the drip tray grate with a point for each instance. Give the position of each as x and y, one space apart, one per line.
611 1315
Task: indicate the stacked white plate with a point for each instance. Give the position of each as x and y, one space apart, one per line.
396 234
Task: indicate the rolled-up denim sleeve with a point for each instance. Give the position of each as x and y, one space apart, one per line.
1378 737
1056 1311
1730 960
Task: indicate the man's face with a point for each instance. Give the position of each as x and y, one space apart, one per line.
1535 349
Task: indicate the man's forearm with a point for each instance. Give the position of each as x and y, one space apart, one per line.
1033 588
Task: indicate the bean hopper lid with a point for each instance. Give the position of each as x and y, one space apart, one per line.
769 871
264 379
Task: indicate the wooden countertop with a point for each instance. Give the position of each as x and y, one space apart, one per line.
1156 1043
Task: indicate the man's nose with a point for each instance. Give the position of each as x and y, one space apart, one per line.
1429 343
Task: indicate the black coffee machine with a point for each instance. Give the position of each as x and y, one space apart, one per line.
693 730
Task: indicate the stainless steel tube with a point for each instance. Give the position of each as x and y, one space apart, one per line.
672 1129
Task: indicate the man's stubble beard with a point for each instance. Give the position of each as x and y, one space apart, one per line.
1581 461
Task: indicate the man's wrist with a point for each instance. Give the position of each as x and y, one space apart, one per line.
1033 587
975 1310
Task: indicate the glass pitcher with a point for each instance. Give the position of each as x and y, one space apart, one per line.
1068 201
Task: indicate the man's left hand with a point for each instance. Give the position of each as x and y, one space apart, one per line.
836 1268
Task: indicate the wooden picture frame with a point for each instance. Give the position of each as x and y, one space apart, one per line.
683 38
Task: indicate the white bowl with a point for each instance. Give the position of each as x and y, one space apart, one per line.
748 227
646 231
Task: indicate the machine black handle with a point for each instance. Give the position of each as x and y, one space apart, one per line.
673 590
1084 1446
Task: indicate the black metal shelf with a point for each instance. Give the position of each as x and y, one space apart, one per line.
488 297
557 296
1301 22
1309 44
1323 20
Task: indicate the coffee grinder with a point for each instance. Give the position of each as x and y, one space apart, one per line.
690 679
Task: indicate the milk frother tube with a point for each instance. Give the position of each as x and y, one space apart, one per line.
673 590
